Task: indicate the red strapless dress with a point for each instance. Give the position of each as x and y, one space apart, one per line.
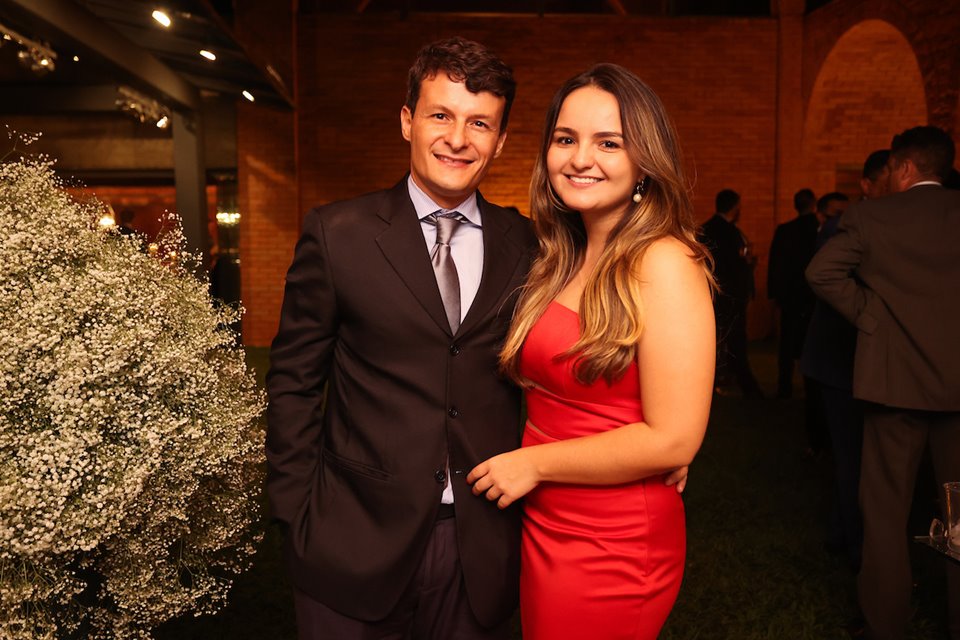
598 562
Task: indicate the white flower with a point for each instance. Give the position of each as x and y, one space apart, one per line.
130 453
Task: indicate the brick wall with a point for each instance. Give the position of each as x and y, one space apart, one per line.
716 76
738 122
869 88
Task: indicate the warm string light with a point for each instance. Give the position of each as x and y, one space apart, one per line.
228 218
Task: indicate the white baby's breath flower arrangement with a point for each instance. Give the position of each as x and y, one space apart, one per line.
129 447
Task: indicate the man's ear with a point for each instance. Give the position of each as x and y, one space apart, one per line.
500 141
406 122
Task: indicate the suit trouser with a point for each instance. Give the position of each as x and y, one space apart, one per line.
794 319
434 605
731 317
844 419
893 443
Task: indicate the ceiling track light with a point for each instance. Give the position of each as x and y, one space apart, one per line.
142 107
37 56
209 55
161 16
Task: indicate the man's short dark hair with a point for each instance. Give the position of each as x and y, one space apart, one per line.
875 163
464 61
804 200
930 148
825 200
727 200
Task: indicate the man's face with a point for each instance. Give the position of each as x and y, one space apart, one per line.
876 188
835 208
734 215
454 135
901 174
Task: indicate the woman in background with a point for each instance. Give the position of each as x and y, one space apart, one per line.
613 340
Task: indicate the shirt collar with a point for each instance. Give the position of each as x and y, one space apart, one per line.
923 182
425 205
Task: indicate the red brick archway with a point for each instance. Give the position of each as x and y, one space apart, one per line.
868 88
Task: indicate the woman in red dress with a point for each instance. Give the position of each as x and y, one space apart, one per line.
613 341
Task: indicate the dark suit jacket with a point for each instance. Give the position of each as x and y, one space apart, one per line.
793 245
893 270
358 482
831 340
727 246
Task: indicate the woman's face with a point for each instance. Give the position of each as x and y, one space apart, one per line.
586 161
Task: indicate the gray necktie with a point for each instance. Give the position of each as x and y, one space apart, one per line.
443 265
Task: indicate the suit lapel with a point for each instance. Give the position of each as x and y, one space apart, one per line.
403 246
500 257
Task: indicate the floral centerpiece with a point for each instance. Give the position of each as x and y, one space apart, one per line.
130 454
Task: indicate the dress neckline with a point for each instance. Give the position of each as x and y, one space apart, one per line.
563 306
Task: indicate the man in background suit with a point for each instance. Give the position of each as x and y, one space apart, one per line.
383 383
892 270
733 265
790 252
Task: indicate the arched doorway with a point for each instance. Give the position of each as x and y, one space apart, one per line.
868 89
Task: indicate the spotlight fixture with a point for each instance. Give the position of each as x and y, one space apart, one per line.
209 55
161 17
141 107
246 94
76 58
37 56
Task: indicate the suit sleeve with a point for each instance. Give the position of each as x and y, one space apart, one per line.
832 271
775 266
300 360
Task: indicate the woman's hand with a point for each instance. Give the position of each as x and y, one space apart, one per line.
678 477
505 478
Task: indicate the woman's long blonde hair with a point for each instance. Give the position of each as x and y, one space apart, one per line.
611 309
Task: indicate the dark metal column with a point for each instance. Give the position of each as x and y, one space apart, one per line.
189 176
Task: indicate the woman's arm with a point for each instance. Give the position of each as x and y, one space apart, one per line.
676 357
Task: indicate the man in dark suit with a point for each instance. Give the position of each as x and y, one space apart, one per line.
383 383
892 270
733 265
790 252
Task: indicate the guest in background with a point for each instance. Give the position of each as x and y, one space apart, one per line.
733 264
875 181
613 340
827 358
892 270
790 252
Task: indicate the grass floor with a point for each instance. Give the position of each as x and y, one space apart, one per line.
756 565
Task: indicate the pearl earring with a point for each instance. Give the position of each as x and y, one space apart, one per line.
638 193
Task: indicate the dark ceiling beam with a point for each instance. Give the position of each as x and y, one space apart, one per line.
38 99
362 5
72 22
617 7
273 78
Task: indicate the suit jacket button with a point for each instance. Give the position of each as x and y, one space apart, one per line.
453 412
454 349
440 477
